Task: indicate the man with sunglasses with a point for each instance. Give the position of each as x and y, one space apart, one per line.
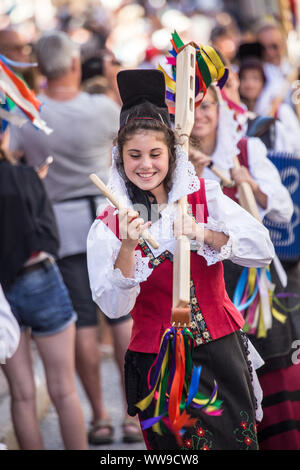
276 64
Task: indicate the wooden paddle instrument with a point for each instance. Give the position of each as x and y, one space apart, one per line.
184 121
112 198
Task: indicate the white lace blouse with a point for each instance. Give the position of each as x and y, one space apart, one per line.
248 245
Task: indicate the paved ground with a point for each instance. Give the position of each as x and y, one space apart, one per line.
113 401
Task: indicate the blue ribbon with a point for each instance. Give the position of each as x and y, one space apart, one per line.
13 63
239 290
194 385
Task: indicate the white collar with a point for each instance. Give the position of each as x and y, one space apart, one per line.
228 136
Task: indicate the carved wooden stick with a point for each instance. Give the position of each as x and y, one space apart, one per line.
184 121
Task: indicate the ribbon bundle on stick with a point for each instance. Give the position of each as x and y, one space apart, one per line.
208 69
173 380
173 383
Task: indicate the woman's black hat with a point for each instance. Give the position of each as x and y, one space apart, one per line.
143 94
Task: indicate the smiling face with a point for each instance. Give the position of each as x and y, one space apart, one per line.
146 159
206 117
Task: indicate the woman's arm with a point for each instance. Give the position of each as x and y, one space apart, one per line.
242 175
279 205
111 266
248 242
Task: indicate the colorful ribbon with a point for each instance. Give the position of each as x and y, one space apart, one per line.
209 69
17 93
173 383
254 297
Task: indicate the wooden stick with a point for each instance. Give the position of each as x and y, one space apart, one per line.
112 198
248 202
224 180
184 121
246 196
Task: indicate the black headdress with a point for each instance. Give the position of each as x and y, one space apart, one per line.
143 94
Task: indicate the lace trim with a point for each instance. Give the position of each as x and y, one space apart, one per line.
185 180
117 276
212 255
121 281
250 353
141 267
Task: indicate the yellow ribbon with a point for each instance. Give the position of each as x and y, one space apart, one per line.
215 60
262 332
169 81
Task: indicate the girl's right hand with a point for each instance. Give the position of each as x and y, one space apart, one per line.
199 160
131 226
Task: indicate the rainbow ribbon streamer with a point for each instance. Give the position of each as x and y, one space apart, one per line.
173 386
253 297
15 93
209 69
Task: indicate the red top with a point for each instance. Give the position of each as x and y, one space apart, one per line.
213 313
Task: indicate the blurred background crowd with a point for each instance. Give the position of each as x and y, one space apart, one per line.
138 32
113 34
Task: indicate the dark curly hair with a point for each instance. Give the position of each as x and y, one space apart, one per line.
139 125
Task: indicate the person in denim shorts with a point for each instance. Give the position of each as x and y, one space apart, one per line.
40 302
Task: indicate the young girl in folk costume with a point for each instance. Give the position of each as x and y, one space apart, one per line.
217 140
150 171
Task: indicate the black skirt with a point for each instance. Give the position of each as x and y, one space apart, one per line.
224 360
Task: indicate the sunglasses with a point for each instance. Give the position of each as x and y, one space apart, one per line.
273 46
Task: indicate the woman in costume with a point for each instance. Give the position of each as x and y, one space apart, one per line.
151 173
282 134
217 139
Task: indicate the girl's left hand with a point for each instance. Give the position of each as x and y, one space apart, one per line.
185 225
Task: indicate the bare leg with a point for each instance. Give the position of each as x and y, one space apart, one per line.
19 373
57 353
88 368
121 336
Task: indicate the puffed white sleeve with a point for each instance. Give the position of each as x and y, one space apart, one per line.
112 292
290 121
249 243
265 174
9 330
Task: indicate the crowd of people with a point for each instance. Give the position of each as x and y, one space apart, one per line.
59 267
